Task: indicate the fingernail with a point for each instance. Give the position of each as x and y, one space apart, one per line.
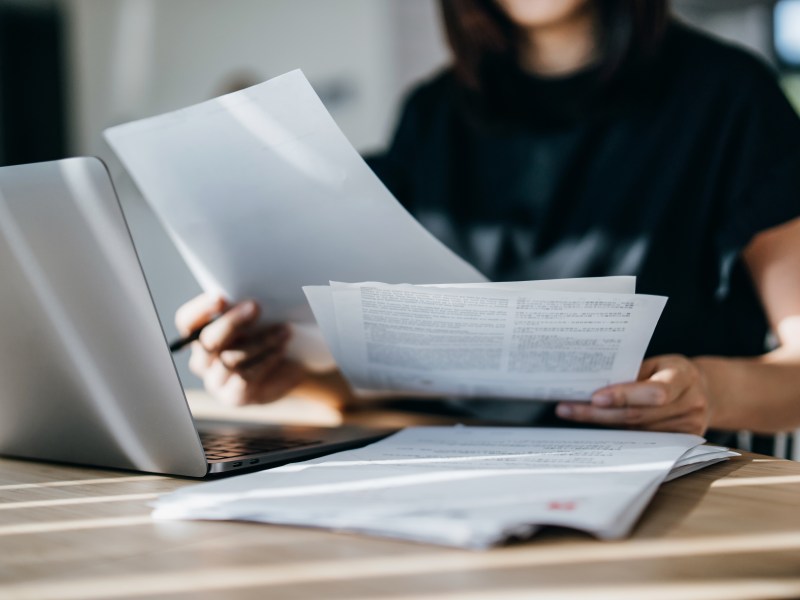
247 309
564 410
603 399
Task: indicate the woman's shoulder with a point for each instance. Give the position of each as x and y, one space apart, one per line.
732 86
712 61
431 97
420 132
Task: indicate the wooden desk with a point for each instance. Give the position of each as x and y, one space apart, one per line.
730 531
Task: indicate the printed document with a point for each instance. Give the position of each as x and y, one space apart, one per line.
532 341
262 194
459 486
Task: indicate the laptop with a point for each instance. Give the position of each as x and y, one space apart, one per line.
86 375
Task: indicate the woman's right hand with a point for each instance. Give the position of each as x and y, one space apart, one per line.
239 360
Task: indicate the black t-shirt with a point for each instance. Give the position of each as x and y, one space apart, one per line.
665 173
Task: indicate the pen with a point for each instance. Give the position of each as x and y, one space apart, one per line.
181 343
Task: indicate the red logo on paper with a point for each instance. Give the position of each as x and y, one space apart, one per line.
569 505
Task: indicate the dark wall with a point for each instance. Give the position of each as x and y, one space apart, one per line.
32 83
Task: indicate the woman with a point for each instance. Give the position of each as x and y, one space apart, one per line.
578 138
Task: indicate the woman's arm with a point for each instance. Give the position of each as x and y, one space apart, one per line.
763 393
675 393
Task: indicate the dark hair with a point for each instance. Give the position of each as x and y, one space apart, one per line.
479 31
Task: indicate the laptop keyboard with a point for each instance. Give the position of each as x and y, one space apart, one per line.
225 447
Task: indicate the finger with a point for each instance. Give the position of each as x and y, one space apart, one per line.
272 384
632 394
198 311
231 325
216 375
586 413
199 360
275 384
686 423
673 369
286 376
667 379
691 405
267 341
234 391
688 403
261 369
649 366
626 416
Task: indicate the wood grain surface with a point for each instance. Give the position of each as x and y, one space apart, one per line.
68 533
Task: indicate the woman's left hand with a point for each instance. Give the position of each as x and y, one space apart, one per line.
670 395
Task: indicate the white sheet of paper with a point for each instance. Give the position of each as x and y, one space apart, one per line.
262 194
490 340
320 298
459 486
615 284
698 458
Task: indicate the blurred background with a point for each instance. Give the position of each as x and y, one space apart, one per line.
70 68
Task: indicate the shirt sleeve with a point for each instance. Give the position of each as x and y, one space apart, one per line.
763 171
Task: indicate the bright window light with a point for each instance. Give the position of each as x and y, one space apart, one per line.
787 32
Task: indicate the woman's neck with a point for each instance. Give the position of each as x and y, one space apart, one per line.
562 48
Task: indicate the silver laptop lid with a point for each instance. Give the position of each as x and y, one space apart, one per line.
85 372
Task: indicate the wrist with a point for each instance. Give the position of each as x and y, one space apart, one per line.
718 377
327 386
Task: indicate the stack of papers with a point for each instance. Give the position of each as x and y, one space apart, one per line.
543 340
262 193
471 487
